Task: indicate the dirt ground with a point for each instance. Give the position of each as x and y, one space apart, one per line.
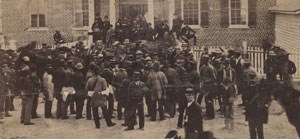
277 127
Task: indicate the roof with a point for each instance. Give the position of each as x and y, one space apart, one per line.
291 7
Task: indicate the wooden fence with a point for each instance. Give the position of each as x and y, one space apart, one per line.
257 58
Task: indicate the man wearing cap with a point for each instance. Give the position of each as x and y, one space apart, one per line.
79 86
27 90
193 117
208 79
48 91
180 97
137 90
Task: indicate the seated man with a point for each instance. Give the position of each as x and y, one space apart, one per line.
188 33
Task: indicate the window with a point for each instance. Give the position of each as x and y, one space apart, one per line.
81 13
238 12
191 12
38 10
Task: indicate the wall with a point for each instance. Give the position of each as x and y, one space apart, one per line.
16 22
287 31
214 35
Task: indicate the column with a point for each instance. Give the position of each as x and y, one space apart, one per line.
151 12
171 12
91 21
1 24
112 11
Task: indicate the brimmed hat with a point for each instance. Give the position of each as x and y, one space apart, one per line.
126 41
116 43
79 66
138 52
26 58
148 58
271 53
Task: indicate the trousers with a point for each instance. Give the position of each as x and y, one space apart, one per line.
136 106
256 130
26 109
97 118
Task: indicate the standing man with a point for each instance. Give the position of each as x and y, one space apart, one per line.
96 84
136 90
105 28
177 24
193 118
96 28
156 82
27 90
48 91
208 79
79 86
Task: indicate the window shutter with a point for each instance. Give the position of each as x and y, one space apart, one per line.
204 13
42 20
224 13
34 20
252 13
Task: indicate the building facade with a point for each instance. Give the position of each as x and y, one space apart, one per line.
217 22
287 24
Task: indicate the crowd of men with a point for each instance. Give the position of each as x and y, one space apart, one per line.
167 80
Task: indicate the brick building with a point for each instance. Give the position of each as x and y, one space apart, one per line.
217 22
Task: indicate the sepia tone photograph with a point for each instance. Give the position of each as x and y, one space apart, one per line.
150 69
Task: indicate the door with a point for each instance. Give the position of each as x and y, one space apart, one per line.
131 11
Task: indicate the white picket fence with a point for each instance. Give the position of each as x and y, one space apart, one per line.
257 58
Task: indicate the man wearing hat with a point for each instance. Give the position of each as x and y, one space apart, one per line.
137 90
193 117
48 90
105 28
79 86
177 24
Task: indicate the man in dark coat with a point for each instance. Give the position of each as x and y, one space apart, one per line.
188 33
105 28
136 94
79 86
177 24
257 104
208 79
185 84
193 118
173 80
57 37
27 90
117 80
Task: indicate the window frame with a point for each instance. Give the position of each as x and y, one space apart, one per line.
199 14
38 13
81 11
247 16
